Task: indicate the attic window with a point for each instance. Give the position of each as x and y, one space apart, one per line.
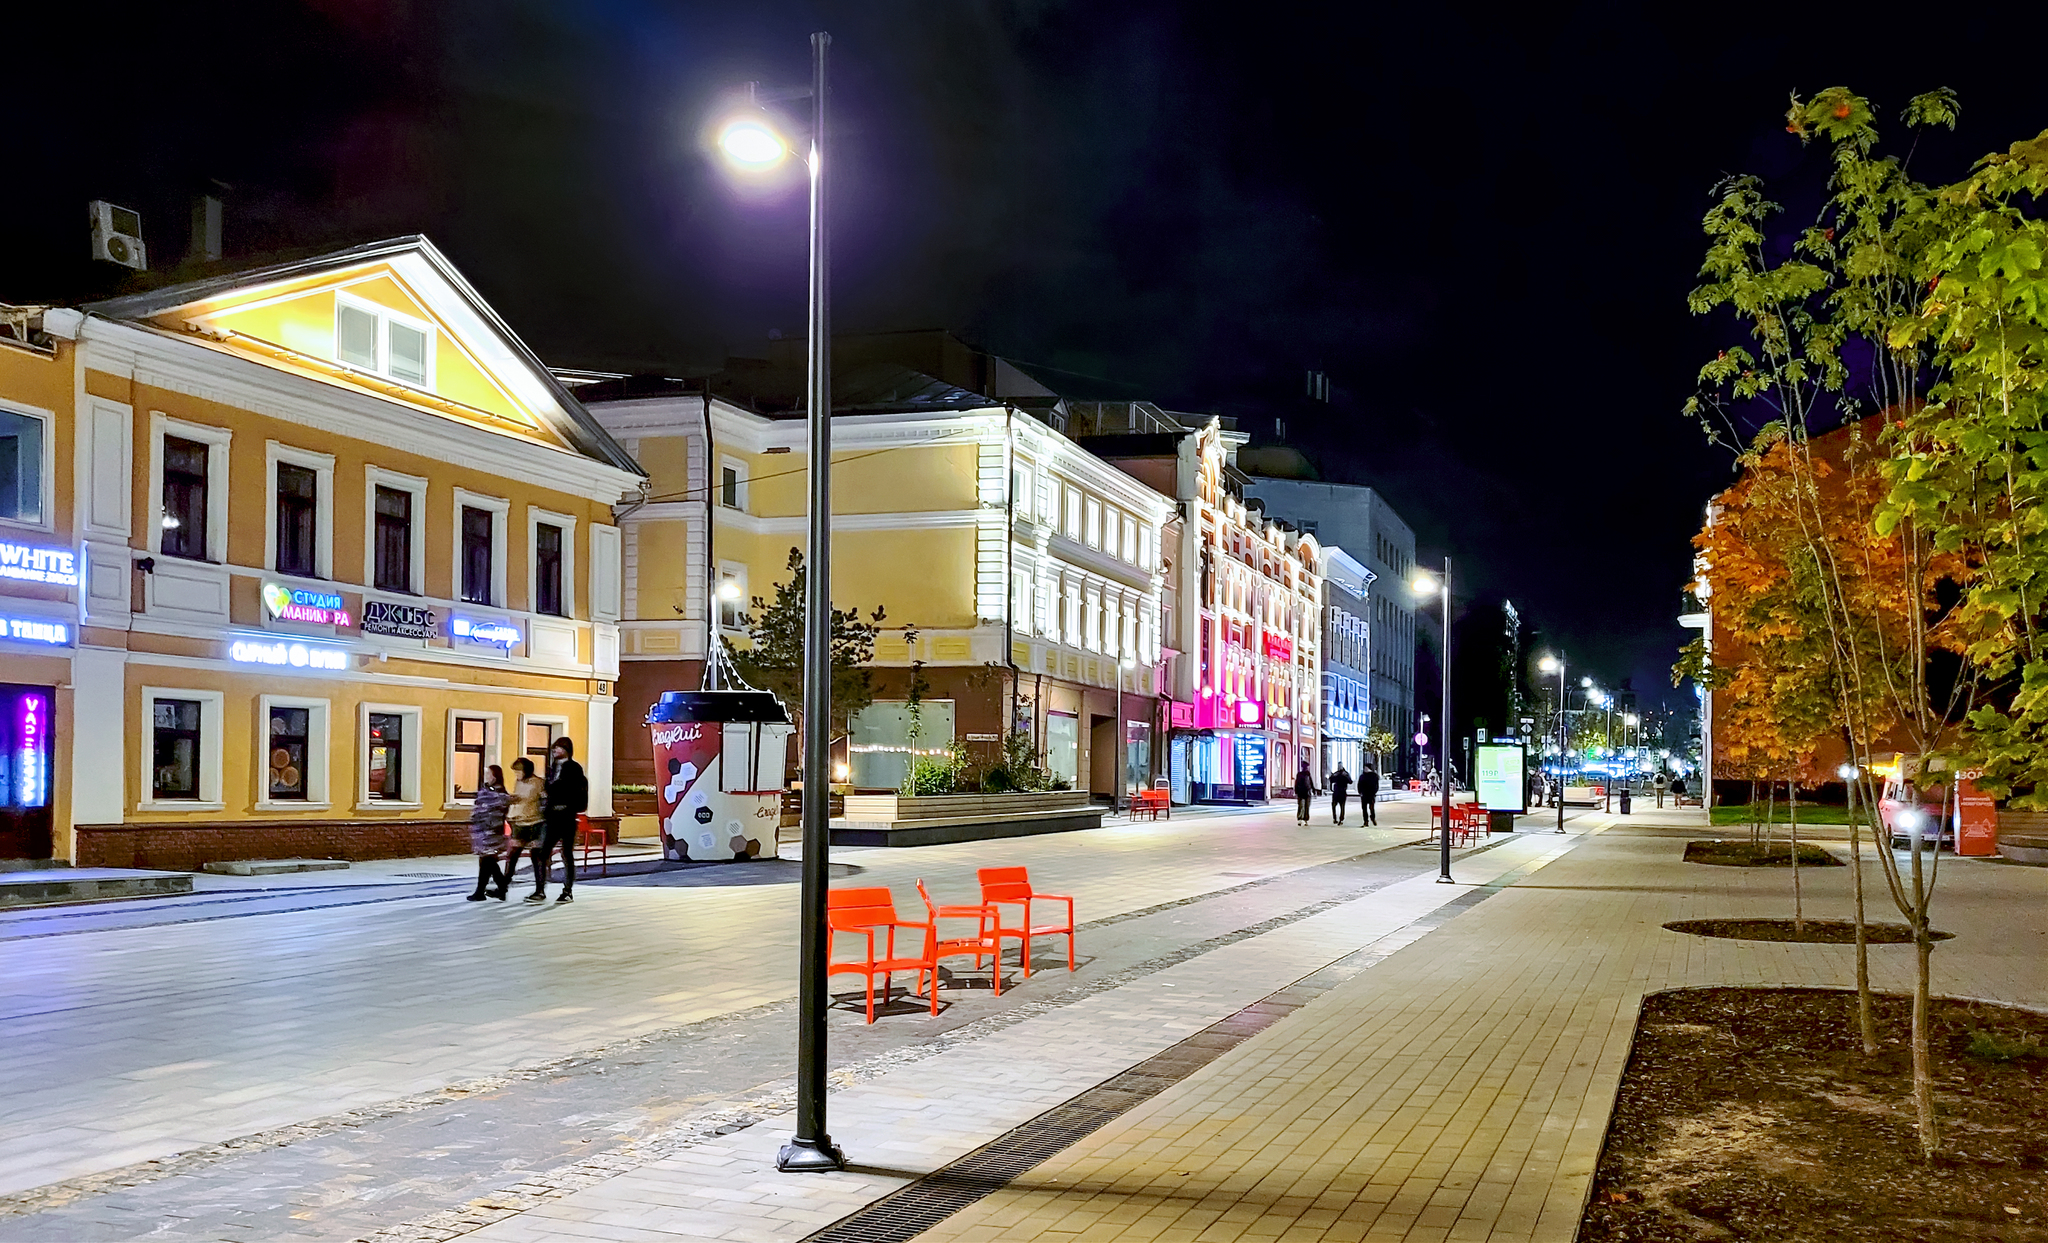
379 340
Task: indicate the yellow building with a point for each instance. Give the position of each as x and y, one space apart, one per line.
339 543
1029 569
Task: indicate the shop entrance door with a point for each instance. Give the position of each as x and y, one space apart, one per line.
26 725
1104 758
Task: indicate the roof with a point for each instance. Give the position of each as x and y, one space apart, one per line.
575 424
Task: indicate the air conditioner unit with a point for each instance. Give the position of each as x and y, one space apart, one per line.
117 236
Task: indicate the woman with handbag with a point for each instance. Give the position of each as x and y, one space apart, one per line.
487 836
525 816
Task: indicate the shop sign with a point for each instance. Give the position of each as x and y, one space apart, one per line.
1180 715
296 604
1250 752
36 630
286 654
400 621
32 728
1279 648
1250 712
29 564
489 633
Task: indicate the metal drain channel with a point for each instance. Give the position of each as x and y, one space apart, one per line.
910 1211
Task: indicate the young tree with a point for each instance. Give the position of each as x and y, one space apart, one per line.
774 656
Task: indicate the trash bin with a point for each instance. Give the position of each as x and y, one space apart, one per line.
1624 800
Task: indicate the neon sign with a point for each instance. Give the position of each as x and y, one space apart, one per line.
497 634
31 728
56 566
295 604
36 630
289 655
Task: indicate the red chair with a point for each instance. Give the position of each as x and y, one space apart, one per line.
983 944
589 838
1002 887
859 913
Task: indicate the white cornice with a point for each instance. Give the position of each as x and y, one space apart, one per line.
163 361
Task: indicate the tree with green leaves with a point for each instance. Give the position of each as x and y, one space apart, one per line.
774 656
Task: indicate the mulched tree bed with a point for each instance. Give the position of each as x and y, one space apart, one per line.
1753 1114
1813 932
1743 854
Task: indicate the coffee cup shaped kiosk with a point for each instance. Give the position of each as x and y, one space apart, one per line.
719 759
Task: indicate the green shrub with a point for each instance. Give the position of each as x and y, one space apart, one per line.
1997 1047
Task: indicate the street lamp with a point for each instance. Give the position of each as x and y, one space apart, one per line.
1424 585
752 142
1555 664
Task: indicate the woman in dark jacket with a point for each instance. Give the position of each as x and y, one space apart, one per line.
1304 789
487 836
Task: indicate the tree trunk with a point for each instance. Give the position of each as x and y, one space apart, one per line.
1923 1073
1798 898
1865 1023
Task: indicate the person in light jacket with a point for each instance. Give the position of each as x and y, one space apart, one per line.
524 815
487 836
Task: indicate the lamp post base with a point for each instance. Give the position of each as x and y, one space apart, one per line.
805 1156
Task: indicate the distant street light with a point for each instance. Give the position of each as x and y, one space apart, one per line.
751 142
1424 585
1555 664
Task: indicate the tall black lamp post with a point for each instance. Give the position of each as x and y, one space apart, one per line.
1425 585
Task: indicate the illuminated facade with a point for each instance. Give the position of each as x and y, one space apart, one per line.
303 550
1347 661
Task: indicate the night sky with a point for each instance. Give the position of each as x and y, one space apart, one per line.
1482 225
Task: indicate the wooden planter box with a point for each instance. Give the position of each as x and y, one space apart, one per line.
2023 836
893 820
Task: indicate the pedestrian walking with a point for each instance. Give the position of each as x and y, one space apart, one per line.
567 797
1369 796
487 835
1304 790
1340 785
523 814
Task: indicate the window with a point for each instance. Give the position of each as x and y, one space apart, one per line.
386 765
732 596
298 497
185 498
1020 602
540 737
176 750
476 555
1130 541
21 467
728 487
1071 622
381 340
289 730
393 540
469 754
1020 488
1073 528
547 569
1094 524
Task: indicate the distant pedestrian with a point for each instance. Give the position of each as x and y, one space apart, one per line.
1369 796
568 796
1340 785
523 814
1304 790
487 835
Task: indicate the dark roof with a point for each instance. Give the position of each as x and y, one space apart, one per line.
1131 444
865 388
580 429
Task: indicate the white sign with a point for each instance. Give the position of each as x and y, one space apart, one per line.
56 566
495 633
35 630
288 655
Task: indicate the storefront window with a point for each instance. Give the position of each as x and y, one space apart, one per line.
289 728
881 745
387 756
467 772
176 751
1137 755
1063 746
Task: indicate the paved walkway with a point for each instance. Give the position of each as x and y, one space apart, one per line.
1456 1087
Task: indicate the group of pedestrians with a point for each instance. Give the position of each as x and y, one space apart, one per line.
535 816
1340 788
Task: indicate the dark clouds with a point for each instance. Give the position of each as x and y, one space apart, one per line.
1482 224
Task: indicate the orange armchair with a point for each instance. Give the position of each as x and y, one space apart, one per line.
982 944
1001 887
857 915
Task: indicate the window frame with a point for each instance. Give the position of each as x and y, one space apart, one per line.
535 517
219 442
739 484
375 477
558 728
500 510
47 465
385 317
211 715
737 572
322 466
1092 522
1072 514
493 752
412 745
318 712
